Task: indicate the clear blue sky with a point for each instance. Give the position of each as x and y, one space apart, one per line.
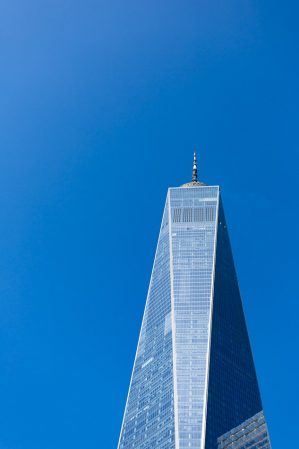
102 105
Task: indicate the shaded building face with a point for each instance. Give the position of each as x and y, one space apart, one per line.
193 379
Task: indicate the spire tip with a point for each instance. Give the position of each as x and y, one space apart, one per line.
194 170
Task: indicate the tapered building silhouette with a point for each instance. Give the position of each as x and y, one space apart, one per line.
193 383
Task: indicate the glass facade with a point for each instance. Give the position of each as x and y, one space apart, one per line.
233 394
193 379
149 416
193 237
251 434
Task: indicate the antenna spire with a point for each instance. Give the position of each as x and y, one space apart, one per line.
194 170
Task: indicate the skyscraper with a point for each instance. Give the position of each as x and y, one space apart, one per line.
193 383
